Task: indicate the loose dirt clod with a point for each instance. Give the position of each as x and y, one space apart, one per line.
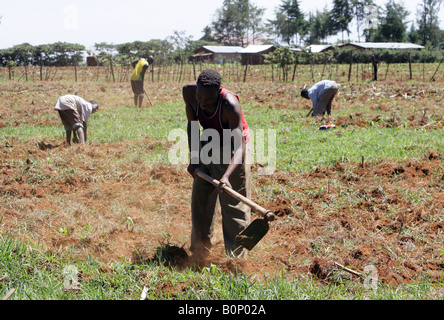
171 256
320 271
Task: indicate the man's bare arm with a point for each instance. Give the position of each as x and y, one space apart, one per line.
232 114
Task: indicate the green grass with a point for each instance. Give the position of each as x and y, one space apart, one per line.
28 131
132 123
310 147
127 123
300 145
37 275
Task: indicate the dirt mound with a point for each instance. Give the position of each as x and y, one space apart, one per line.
166 174
280 207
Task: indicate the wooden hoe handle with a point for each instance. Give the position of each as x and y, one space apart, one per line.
267 214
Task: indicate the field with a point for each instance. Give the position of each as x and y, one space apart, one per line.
360 207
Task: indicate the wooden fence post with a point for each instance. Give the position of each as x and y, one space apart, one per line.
350 67
312 69
245 72
111 66
75 69
295 67
180 70
375 68
41 68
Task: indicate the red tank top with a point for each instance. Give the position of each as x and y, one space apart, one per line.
215 120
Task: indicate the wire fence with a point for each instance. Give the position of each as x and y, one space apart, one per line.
358 72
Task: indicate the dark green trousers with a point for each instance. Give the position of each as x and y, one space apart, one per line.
206 202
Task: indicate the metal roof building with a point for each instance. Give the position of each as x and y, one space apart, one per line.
382 45
256 48
253 54
216 54
316 48
222 49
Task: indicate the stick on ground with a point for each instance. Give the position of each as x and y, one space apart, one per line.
348 270
9 294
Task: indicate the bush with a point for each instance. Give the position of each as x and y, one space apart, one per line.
342 56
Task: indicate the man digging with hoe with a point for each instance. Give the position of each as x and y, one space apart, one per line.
219 113
137 77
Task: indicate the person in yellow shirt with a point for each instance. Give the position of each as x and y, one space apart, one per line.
140 66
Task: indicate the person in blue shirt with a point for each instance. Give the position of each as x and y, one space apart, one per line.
321 95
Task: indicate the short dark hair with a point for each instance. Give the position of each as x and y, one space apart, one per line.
304 93
209 78
94 104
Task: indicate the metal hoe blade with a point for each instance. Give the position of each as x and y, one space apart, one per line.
258 228
253 233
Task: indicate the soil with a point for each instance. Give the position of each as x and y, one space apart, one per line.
387 214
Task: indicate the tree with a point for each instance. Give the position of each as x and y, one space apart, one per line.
413 34
65 54
392 27
255 21
235 20
282 57
318 28
289 22
105 48
278 28
160 49
341 16
40 54
179 42
22 54
208 36
224 24
241 20
360 12
428 22
56 54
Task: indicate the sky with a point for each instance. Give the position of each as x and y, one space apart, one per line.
118 21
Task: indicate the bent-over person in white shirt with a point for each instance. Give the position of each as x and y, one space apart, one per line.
74 112
321 95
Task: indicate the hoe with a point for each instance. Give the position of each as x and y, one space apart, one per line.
257 229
